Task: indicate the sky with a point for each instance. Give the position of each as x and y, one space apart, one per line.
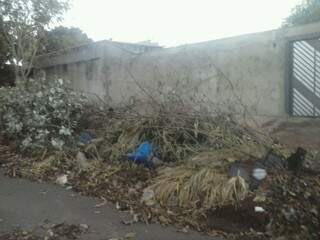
175 22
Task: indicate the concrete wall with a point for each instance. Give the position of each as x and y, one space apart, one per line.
89 68
245 71
234 72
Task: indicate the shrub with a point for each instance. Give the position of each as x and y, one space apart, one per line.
41 114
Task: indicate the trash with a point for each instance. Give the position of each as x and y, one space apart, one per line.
104 202
186 229
272 161
259 173
259 209
295 161
148 197
231 159
130 235
128 219
84 226
85 138
156 162
289 213
259 198
62 180
142 155
82 161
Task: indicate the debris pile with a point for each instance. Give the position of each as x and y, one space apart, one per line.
294 204
215 175
176 135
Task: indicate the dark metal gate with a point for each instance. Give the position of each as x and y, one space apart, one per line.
305 78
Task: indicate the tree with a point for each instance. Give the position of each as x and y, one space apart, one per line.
64 37
6 70
24 23
306 12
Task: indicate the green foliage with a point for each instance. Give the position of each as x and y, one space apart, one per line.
44 115
38 13
306 12
63 37
24 23
4 49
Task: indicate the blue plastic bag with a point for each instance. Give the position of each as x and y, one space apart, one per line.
85 137
142 155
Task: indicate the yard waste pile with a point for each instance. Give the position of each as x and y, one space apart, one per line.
178 166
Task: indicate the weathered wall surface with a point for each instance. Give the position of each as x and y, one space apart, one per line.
248 70
90 68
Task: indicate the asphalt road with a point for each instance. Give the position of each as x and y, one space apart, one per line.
25 204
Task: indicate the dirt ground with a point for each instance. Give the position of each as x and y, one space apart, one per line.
296 133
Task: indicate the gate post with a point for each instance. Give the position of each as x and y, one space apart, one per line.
288 77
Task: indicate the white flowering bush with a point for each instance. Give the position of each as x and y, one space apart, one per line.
44 114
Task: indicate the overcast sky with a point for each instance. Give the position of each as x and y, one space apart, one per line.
175 22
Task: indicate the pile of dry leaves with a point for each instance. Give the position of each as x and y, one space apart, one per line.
293 202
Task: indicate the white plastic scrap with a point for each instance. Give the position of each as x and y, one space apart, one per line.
259 209
259 173
148 197
62 180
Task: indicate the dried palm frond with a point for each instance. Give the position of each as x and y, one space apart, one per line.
204 186
235 190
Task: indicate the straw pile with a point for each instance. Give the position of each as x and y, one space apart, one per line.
177 135
196 188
